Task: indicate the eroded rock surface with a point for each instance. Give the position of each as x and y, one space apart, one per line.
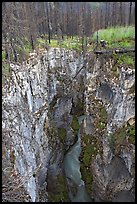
41 102
31 118
112 167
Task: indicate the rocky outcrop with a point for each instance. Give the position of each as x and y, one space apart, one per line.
35 106
112 167
41 103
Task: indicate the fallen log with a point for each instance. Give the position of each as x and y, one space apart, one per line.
113 51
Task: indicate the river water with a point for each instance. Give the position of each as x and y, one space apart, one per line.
72 170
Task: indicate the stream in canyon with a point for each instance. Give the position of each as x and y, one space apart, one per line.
72 170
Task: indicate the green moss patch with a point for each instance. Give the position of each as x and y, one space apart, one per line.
62 134
89 147
131 132
88 150
61 191
87 177
119 138
75 125
103 114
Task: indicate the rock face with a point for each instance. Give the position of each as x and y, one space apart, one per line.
33 121
105 92
115 177
123 196
62 110
40 103
113 173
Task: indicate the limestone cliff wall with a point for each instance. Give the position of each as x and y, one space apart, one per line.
39 102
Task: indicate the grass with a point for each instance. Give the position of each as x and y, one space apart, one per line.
117 36
126 59
67 43
122 44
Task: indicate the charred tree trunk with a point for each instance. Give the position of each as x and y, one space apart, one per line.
32 42
48 21
121 13
130 9
106 12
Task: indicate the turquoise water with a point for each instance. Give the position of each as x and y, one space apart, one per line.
72 170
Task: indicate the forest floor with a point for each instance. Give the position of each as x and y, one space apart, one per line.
115 37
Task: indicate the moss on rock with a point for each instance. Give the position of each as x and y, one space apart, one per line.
89 149
62 134
121 136
61 192
117 139
75 125
131 132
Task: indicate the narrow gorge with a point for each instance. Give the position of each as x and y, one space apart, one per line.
68 123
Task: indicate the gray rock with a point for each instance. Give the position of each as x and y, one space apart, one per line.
123 196
89 125
105 92
110 179
117 170
70 137
42 176
62 109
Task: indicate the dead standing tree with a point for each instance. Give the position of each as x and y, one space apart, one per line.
48 20
130 10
